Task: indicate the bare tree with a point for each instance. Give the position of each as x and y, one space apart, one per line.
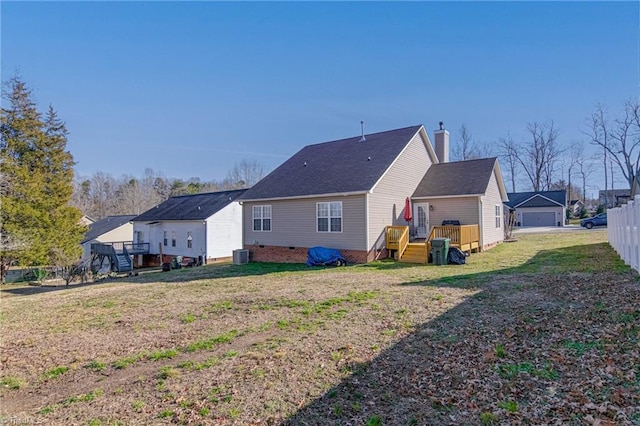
538 158
463 148
244 174
619 140
508 151
466 149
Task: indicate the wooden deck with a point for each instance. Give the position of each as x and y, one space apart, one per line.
464 237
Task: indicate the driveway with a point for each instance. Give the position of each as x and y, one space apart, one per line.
566 228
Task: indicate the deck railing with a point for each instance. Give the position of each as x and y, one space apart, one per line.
465 237
397 238
120 247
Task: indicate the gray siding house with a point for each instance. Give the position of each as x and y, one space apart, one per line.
343 194
542 208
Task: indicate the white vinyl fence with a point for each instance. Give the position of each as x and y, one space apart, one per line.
623 226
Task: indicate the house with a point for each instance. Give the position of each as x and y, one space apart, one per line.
344 194
86 220
541 208
110 229
611 198
576 207
202 227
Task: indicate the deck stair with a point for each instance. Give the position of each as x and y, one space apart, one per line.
415 253
118 253
124 263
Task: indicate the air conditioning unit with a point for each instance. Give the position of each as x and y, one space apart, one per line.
240 257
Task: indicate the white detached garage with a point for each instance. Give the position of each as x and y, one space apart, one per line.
542 208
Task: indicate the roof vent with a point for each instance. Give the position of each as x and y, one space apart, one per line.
441 125
362 139
305 164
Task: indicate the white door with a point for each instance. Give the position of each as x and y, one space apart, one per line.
421 219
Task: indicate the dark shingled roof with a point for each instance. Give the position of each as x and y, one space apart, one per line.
341 166
469 177
105 225
190 207
517 198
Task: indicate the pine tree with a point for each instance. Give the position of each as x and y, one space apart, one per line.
38 227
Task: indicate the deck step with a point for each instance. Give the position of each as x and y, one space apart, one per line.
415 253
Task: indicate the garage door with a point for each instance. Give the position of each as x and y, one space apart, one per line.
539 219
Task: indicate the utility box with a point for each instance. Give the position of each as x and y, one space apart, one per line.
440 251
240 257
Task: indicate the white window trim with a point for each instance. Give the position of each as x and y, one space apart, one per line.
261 218
329 231
498 216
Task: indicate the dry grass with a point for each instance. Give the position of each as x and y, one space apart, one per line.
543 330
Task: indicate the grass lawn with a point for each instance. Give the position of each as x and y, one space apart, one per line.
545 330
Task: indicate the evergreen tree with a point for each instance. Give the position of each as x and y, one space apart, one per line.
38 225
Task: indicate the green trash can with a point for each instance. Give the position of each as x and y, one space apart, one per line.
440 251
176 262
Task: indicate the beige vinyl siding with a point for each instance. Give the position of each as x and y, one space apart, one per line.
386 202
293 224
464 209
490 234
120 234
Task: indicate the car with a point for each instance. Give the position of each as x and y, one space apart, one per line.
597 220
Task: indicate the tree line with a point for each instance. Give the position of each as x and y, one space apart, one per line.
104 195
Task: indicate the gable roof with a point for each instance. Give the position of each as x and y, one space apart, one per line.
537 199
190 207
459 178
337 167
106 224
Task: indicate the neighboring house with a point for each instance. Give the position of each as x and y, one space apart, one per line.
86 220
576 207
615 197
542 208
204 227
343 194
635 187
111 229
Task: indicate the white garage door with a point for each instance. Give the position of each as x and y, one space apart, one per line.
539 219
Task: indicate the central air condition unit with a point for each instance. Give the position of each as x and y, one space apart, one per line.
240 257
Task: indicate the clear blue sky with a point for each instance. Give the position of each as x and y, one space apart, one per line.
190 88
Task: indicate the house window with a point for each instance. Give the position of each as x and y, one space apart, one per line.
189 239
498 216
329 217
164 238
173 238
262 218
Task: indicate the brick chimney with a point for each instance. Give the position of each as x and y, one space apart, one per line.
442 144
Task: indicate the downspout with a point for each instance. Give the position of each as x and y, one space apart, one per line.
366 221
481 224
206 244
